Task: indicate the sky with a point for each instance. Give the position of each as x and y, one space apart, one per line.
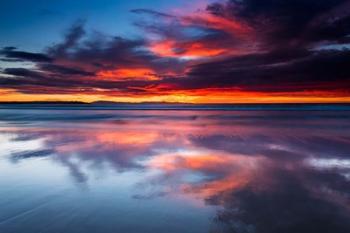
200 51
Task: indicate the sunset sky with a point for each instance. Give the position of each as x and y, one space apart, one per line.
200 51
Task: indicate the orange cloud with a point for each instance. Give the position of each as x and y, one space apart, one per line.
232 26
129 73
196 49
192 49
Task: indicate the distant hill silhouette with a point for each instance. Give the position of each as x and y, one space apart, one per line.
156 103
110 105
42 102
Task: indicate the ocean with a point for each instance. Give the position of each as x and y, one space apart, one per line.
174 168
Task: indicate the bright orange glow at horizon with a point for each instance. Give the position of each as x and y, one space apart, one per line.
190 96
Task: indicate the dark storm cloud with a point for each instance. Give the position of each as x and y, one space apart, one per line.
31 81
96 52
65 70
12 53
290 70
23 72
71 39
77 60
109 53
288 58
289 33
290 22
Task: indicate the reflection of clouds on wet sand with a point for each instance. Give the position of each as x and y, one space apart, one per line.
206 174
268 173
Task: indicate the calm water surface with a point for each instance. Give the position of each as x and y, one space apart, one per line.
174 171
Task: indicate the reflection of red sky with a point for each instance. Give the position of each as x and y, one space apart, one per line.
127 137
234 171
153 142
106 139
